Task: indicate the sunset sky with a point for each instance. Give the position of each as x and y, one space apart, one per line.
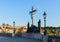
18 11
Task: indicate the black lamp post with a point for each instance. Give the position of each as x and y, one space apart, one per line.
14 27
44 15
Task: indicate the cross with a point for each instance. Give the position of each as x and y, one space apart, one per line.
32 15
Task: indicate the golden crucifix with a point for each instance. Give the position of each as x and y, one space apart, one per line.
32 15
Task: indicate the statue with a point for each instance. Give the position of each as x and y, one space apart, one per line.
32 15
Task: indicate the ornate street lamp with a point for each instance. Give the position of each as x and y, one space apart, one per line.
44 15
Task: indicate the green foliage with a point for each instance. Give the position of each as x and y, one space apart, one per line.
56 33
52 31
48 31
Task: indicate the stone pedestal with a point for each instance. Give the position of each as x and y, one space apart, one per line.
53 40
45 38
13 35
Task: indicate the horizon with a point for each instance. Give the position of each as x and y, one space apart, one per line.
18 11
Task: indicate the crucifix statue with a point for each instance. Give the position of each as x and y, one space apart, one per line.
32 15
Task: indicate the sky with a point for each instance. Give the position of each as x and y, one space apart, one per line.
18 11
